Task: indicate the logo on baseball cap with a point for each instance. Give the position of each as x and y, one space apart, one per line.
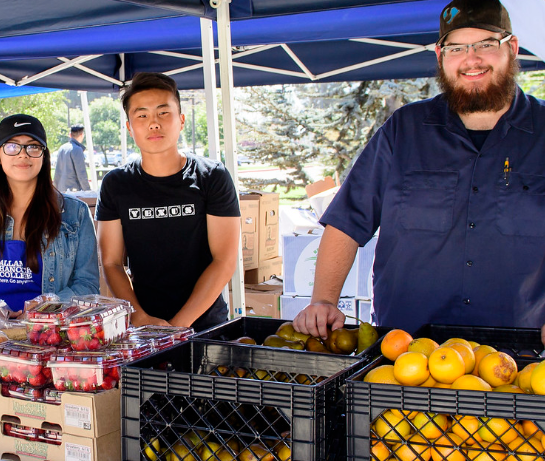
478 14
19 124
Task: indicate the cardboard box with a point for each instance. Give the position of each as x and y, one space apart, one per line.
290 306
265 271
267 223
73 448
81 414
268 235
249 212
261 301
299 256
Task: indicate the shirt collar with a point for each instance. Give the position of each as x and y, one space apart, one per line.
518 116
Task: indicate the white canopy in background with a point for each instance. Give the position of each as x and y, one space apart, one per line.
528 21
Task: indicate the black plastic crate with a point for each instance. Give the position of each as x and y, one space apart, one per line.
520 343
367 401
180 392
257 328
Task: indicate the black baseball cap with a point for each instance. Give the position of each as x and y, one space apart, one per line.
19 124
478 14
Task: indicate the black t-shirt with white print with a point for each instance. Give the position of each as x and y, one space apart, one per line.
164 227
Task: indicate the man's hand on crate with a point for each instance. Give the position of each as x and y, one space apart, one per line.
314 319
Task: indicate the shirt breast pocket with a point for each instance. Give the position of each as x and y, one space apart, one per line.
68 240
521 205
428 199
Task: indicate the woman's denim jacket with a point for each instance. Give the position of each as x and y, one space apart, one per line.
70 262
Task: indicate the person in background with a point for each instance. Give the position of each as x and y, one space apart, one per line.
457 185
176 216
48 242
70 171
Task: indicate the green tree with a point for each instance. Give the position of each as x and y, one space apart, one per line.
290 126
49 108
104 117
533 83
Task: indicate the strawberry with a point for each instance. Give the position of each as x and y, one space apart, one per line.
60 385
37 381
35 369
19 376
54 339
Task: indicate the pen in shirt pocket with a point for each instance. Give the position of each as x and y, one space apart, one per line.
506 171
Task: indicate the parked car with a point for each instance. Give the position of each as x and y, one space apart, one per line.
243 159
98 158
114 157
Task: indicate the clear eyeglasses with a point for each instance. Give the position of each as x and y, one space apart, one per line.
484 47
32 150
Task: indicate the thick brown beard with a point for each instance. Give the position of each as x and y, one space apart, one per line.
492 99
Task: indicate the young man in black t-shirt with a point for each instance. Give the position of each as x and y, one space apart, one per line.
176 216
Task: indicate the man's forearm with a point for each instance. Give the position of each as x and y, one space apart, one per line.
335 258
120 285
207 289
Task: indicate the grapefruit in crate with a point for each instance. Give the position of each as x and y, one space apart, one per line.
446 365
411 368
498 368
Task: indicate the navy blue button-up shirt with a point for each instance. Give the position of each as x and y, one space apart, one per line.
460 241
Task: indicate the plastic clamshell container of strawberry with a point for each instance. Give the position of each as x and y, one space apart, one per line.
179 333
21 362
22 432
97 327
97 300
22 392
49 436
86 371
131 348
158 341
45 322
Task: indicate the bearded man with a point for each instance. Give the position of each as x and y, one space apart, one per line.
457 185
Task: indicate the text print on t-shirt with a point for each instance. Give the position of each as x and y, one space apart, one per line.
160 212
14 272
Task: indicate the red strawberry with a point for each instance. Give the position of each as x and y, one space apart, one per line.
37 381
54 339
60 385
35 369
18 376
108 383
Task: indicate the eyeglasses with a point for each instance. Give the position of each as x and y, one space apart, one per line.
32 150
484 47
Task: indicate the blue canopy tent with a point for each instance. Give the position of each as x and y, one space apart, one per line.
100 44
358 43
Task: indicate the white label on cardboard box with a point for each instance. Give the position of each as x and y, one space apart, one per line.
77 416
73 452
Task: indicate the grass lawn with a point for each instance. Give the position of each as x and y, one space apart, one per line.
291 198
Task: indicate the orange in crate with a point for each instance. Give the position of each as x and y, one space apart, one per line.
416 448
525 450
430 425
487 452
379 450
498 429
448 448
394 343
466 428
